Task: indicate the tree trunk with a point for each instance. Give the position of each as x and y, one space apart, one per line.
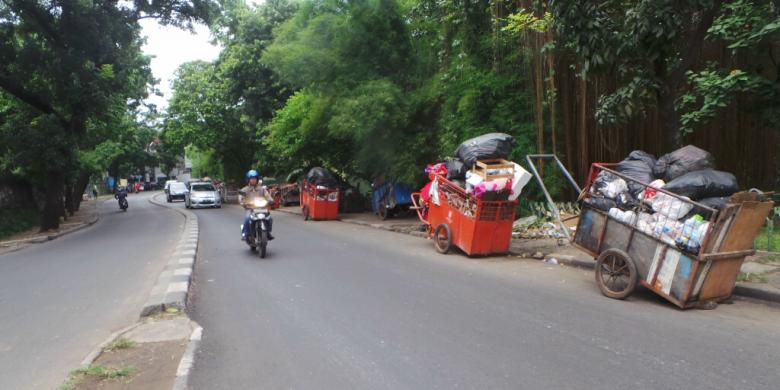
671 138
52 209
78 190
69 199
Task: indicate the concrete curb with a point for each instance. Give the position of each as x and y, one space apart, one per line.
188 360
99 349
173 284
15 245
747 290
752 290
390 228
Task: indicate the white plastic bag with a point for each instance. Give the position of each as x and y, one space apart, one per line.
628 217
670 206
519 181
645 223
473 179
434 192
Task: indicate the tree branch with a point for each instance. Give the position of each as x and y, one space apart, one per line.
38 17
695 42
35 101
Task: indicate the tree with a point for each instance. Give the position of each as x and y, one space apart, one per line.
647 45
222 107
70 61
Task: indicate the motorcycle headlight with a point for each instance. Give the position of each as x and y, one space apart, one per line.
260 203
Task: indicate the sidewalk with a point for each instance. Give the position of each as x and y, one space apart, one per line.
759 278
88 215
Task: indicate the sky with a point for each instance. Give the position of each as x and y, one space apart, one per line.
171 47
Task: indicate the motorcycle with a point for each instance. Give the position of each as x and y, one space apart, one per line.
260 216
122 197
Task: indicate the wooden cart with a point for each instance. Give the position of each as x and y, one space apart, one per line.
627 256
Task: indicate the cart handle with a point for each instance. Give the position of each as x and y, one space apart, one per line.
416 202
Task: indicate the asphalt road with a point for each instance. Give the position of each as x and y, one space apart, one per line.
60 299
339 306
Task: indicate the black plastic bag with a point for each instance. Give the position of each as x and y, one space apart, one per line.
641 155
321 177
637 170
625 201
608 185
492 145
686 159
702 184
603 204
456 169
717 203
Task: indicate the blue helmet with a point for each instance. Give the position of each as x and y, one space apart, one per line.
252 173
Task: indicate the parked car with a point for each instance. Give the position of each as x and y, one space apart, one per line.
168 185
176 190
202 194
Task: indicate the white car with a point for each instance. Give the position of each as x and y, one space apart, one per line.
175 190
202 194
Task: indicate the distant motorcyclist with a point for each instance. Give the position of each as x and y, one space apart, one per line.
121 196
247 194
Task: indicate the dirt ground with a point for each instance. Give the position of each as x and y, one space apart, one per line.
154 367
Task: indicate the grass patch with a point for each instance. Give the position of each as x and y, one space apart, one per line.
97 371
771 259
14 221
120 343
768 241
751 277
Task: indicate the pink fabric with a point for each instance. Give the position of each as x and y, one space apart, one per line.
425 192
438 168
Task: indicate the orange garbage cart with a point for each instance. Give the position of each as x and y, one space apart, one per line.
318 202
454 217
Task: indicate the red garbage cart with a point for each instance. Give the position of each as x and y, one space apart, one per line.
318 202
454 217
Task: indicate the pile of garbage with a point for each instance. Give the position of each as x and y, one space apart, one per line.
480 170
688 172
321 178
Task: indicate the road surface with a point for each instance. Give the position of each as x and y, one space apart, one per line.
340 306
61 299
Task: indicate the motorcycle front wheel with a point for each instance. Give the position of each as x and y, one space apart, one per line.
262 242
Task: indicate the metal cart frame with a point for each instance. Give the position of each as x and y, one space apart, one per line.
625 252
476 226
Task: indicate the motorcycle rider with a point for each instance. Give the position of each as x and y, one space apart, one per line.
120 194
247 194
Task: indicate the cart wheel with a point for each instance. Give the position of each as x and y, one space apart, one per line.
305 213
383 213
616 274
442 238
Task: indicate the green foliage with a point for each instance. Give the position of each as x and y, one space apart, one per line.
388 87
524 20
749 28
220 107
14 221
744 24
205 163
712 90
651 49
71 72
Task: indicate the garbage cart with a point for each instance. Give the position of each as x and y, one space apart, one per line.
454 217
319 202
390 198
684 251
